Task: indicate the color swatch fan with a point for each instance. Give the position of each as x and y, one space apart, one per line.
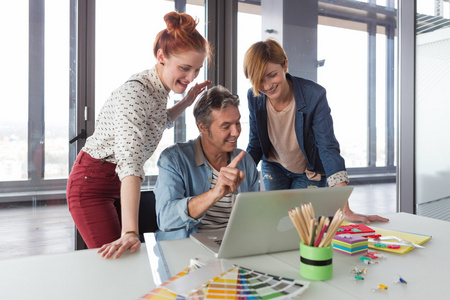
236 283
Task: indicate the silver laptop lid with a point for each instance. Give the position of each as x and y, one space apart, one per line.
260 223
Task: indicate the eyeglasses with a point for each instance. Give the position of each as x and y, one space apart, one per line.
209 104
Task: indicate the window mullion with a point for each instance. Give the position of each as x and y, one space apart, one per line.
390 96
36 129
372 96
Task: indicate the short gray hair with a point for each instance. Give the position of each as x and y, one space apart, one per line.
217 97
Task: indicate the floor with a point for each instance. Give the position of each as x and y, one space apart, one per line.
33 230
47 228
374 199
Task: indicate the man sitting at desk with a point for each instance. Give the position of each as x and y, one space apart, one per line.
198 180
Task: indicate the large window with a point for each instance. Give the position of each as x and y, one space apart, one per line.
14 101
348 97
46 65
249 32
34 114
357 69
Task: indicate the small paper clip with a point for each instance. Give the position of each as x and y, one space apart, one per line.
357 271
400 280
358 277
346 235
373 255
374 236
393 246
380 287
364 258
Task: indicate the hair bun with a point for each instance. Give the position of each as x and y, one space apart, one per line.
180 35
177 22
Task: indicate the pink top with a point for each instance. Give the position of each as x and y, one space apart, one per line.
285 149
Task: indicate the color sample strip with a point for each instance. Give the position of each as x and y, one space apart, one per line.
237 283
268 286
224 287
162 293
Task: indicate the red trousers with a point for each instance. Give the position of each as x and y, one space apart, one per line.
93 197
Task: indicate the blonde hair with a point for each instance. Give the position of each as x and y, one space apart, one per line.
257 57
181 35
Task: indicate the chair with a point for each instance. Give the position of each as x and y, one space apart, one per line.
147 214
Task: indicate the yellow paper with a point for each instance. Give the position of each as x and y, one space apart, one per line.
410 237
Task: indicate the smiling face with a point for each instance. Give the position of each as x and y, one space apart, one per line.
222 135
274 83
179 70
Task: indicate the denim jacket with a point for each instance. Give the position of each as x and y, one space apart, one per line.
184 174
313 127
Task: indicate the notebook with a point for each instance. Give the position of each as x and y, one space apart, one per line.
259 222
355 229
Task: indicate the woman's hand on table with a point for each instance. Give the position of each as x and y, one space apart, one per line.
352 217
128 241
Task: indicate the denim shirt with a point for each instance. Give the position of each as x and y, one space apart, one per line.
184 174
313 127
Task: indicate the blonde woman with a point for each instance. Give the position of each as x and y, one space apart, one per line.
291 129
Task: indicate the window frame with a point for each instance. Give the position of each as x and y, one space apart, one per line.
222 71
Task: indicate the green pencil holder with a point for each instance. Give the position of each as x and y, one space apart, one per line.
316 263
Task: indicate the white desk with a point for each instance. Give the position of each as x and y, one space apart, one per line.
425 270
85 275
80 275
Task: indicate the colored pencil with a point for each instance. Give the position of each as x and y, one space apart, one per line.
315 232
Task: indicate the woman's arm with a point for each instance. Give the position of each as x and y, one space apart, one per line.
254 144
130 194
328 146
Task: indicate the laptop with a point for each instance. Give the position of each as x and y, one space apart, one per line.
259 222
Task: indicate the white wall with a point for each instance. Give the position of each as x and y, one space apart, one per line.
433 116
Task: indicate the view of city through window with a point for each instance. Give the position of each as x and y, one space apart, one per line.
121 50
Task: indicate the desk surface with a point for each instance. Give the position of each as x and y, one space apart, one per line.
85 275
423 269
77 275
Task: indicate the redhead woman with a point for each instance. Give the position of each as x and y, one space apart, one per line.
291 129
103 189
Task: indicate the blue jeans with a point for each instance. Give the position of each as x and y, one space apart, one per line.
276 177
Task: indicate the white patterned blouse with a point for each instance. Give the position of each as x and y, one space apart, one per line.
130 124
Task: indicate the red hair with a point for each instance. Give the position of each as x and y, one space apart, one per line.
181 35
